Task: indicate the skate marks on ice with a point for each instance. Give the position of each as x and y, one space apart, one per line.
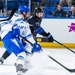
41 64
49 67
6 69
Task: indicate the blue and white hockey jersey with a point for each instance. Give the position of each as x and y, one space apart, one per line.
6 26
25 31
17 22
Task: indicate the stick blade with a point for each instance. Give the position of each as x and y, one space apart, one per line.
71 70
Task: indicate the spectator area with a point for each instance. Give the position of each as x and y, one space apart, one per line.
53 2
11 3
49 10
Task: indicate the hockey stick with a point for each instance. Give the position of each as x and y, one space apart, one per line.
11 14
70 70
13 11
64 46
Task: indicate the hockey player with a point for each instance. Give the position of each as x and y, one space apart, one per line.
7 53
11 32
35 24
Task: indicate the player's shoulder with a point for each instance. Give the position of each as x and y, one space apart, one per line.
19 20
16 15
31 19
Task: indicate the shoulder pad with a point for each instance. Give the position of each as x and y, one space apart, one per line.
19 19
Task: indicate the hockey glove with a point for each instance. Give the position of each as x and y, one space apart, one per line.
15 31
50 37
36 48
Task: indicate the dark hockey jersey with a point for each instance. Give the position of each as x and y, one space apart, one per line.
35 26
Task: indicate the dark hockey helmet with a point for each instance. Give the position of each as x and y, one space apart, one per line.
38 10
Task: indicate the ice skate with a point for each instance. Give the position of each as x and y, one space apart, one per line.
20 70
1 61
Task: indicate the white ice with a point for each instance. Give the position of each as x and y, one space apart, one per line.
41 63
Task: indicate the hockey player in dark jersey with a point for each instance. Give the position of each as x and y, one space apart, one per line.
35 26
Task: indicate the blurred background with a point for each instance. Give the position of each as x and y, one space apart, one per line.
52 8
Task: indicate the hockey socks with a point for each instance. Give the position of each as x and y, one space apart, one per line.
5 55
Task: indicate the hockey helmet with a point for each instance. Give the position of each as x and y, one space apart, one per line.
22 9
38 10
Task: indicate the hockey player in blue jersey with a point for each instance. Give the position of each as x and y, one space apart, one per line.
35 26
12 20
11 32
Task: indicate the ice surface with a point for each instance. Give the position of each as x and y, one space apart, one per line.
41 63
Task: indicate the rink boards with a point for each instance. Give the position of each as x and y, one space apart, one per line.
60 31
51 45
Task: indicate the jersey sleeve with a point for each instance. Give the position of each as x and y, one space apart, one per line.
37 27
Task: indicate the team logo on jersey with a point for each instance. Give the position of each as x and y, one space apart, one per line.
72 27
21 27
37 23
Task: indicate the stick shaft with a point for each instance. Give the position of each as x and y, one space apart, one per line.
64 46
70 70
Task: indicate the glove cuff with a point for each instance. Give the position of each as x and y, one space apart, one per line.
48 35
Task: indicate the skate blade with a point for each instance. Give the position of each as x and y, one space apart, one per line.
19 73
22 72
